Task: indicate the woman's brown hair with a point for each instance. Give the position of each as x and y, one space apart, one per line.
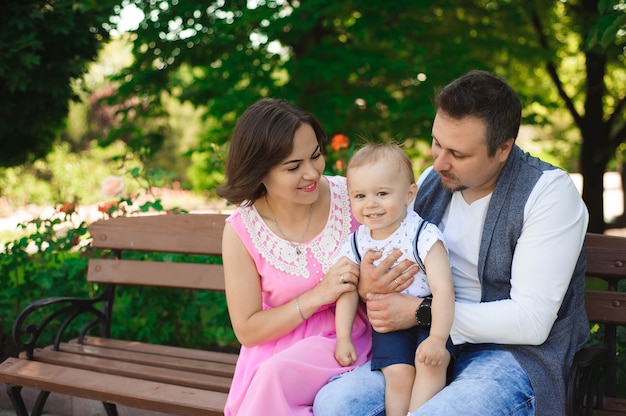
262 138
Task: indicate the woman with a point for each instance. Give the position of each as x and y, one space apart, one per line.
278 248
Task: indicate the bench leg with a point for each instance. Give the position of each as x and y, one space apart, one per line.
586 381
110 408
15 394
42 397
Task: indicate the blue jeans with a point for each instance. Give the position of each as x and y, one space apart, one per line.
487 381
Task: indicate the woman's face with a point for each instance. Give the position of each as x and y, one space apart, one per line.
296 178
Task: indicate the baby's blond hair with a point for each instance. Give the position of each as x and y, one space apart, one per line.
374 152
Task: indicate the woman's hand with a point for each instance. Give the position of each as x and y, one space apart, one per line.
342 277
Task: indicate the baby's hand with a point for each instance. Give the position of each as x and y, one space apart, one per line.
345 353
431 352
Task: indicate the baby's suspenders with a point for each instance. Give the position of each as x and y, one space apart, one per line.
420 263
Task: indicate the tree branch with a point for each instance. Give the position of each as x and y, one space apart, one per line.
617 112
552 72
619 137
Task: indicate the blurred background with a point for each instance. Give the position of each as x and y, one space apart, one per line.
149 90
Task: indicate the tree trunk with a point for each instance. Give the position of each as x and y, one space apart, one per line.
596 149
593 189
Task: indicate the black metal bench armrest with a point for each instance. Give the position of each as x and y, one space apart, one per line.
586 379
65 310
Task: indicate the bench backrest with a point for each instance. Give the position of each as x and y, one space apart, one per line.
185 233
202 234
606 259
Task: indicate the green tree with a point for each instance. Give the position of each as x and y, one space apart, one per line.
44 44
370 68
605 35
596 101
364 68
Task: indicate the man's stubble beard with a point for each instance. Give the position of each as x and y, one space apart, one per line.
451 189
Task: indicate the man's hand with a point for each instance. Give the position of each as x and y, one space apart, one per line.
392 311
383 278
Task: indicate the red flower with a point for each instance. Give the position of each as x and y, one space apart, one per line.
107 207
68 208
339 141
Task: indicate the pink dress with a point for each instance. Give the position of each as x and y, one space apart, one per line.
283 376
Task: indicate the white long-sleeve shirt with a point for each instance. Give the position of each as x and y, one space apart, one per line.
555 223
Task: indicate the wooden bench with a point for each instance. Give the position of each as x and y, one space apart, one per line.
185 381
593 380
92 365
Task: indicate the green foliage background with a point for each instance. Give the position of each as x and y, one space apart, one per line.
364 68
370 68
43 45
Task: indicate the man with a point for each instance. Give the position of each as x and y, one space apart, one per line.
514 227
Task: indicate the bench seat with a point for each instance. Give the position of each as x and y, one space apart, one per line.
112 388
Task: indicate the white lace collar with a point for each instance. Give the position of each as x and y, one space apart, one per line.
323 247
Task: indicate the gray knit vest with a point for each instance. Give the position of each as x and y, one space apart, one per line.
547 365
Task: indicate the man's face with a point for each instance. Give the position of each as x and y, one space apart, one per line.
461 158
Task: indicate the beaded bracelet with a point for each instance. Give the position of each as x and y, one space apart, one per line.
298 308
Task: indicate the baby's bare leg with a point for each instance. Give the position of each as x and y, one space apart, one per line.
429 380
398 385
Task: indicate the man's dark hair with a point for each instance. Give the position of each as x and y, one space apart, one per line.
487 97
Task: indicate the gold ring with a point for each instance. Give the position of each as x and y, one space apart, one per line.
341 279
396 280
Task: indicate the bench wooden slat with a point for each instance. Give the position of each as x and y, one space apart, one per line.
612 407
173 362
194 233
167 350
149 395
157 273
606 256
140 371
605 307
